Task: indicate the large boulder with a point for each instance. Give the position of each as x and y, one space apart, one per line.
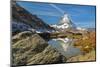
32 50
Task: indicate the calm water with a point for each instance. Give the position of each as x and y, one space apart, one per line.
65 46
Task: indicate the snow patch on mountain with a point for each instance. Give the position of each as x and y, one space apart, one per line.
41 30
18 26
65 24
82 29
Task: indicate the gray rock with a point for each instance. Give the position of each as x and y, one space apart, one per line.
21 35
34 50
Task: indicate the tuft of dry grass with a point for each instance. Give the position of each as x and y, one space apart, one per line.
83 58
87 42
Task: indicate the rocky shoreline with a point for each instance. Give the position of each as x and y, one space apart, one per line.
34 50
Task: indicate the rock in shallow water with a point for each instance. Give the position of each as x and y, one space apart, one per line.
34 50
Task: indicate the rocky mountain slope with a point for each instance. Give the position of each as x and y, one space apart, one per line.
23 20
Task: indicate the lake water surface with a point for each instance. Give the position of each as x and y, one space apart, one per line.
65 46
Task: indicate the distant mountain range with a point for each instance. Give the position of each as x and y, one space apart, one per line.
91 29
66 24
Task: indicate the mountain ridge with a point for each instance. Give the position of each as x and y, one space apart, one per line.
24 18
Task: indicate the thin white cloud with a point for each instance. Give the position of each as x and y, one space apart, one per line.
46 13
60 10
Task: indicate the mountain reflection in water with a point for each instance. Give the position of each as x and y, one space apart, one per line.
65 46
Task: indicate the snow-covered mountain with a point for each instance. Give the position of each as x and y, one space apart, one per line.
66 23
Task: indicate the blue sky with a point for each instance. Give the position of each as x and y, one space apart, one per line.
82 16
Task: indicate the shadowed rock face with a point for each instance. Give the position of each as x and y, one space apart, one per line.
23 20
32 50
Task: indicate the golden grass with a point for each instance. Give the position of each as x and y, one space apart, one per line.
87 42
81 58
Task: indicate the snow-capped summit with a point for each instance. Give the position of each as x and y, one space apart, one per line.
64 23
64 19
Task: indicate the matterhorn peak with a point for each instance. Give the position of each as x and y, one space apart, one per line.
65 19
65 23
